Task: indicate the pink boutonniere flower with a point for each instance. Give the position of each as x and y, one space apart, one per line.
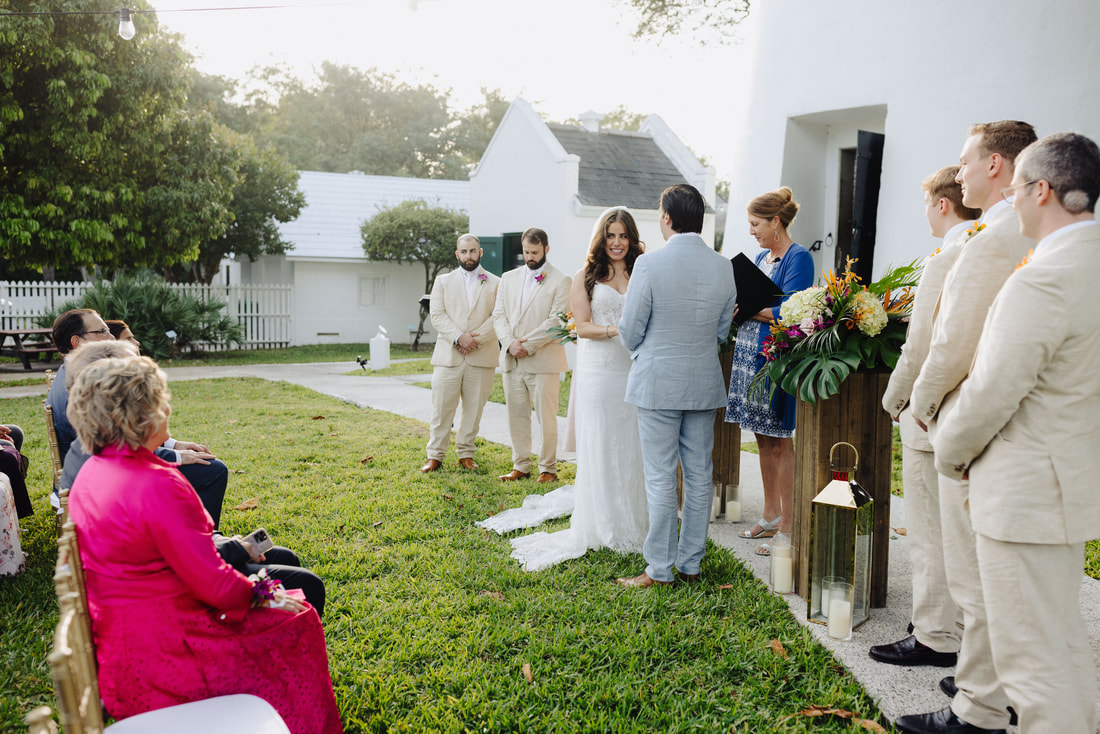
540 277
482 277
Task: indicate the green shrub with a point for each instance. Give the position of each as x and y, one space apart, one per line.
152 309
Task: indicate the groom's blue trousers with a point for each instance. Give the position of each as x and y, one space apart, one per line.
668 436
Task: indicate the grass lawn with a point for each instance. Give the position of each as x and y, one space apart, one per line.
429 622
295 355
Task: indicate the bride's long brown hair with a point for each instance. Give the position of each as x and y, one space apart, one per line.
597 266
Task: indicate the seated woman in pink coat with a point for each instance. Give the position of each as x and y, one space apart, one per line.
173 622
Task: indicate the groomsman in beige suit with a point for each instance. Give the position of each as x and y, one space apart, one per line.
528 303
1026 426
935 635
465 353
988 257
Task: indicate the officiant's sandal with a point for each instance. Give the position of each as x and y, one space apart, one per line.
767 529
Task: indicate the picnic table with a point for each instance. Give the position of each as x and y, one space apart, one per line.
12 344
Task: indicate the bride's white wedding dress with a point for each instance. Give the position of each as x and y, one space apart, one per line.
608 500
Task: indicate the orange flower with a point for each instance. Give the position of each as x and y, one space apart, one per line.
1027 258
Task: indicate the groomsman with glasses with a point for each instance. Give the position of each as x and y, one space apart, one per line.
1025 428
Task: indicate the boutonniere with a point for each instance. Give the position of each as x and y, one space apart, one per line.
482 277
1027 258
540 277
974 230
937 252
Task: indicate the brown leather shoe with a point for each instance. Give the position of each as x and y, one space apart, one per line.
547 477
468 463
514 475
432 465
641 582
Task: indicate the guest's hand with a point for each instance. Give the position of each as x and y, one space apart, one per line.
289 604
922 426
250 549
468 342
4 431
517 349
736 308
189 456
191 446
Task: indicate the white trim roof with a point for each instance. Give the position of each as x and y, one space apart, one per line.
337 204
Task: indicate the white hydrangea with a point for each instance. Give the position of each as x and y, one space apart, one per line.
869 313
807 304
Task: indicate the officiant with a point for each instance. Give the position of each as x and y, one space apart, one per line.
791 267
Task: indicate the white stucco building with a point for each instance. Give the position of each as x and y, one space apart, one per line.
562 177
811 74
340 296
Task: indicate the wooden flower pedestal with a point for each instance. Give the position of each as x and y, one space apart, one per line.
854 415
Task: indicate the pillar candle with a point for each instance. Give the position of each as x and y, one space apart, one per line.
840 619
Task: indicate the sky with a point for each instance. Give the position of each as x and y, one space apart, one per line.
563 56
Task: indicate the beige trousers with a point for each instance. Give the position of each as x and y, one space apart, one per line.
522 391
981 700
466 383
1039 639
934 610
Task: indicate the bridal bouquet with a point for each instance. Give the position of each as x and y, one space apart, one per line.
566 330
826 332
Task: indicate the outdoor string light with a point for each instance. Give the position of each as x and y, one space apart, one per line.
126 28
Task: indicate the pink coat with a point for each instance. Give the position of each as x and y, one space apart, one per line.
172 621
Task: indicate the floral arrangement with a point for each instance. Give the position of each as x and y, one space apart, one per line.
540 277
826 332
566 330
482 277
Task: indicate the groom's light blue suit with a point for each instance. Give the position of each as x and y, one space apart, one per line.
679 305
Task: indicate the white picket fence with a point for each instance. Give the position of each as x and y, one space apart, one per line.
264 311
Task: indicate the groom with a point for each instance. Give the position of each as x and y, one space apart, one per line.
679 305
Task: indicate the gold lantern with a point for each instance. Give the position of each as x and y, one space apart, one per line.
841 520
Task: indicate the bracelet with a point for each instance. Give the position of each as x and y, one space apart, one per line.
607 331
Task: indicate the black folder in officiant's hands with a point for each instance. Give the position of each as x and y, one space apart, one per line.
754 289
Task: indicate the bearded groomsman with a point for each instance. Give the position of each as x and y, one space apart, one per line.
935 635
1025 428
988 257
465 353
528 303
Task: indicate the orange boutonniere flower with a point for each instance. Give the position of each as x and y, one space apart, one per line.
937 252
1027 258
974 230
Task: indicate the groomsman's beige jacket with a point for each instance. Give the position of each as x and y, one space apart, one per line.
919 336
1030 411
452 316
986 261
514 320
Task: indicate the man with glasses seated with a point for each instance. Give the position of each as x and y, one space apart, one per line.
207 475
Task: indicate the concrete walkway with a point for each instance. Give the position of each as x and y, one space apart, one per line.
897 690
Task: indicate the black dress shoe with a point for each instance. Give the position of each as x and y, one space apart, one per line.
947 685
939 722
911 652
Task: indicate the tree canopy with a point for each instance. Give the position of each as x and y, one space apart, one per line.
413 231
661 18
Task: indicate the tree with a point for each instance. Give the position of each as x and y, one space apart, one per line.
412 231
99 165
661 18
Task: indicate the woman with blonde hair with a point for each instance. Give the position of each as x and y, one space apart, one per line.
608 500
172 622
791 267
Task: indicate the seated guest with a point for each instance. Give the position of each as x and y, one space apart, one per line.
121 332
172 621
282 564
14 465
206 474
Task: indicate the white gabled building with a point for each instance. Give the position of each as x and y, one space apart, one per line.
812 74
562 177
339 295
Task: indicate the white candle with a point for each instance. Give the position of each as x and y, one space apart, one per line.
840 619
782 574
733 511
825 601
715 508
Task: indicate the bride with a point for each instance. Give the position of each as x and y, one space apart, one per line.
608 499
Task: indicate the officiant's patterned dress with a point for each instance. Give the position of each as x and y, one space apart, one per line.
756 414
